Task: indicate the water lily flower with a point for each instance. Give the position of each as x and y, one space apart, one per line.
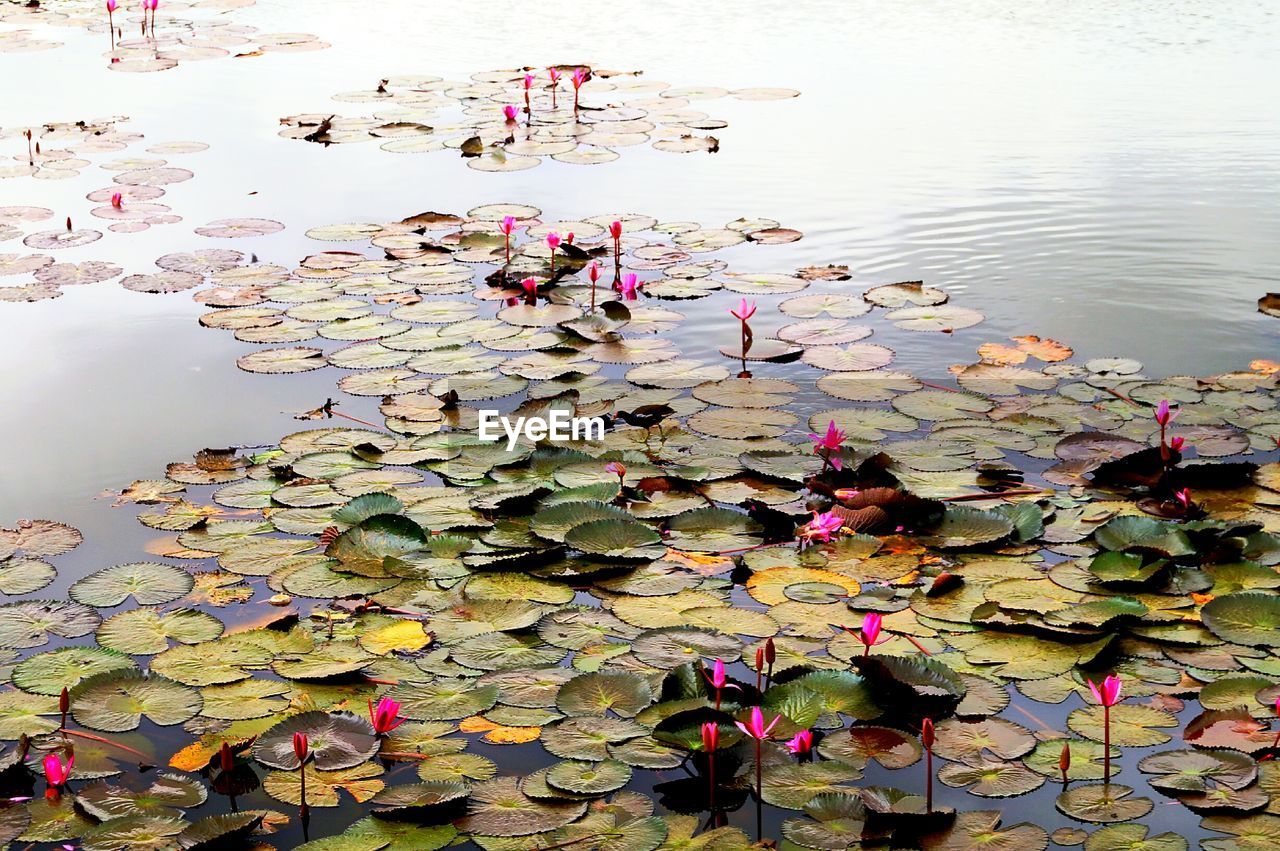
530 290
111 6
1164 415
57 772
1064 761
1183 498
509 112
593 274
111 23
744 311
718 680
801 743
507 226
759 731
828 445
553 242
869 633
226 760
385 716
927 739
617 468
1177 443
117 200
579 77
554 74
528 82
820 528
301 750
711 744
1108 695
630 284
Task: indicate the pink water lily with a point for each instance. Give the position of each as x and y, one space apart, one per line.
111 6
828 445
579 77
617 468
711 744
553 240
801 743
820 528
530 287
630 284
718 680
1177 443
554 74
57 772
593 274
744 311
1183 498
509 112
385 716
117 200
869 632
1164 414
1108 695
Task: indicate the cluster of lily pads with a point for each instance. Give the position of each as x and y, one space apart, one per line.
507 120
704 603
135 40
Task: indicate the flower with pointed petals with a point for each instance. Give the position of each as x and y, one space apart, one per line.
1184 498
616 468
755 727
1109 692
510 112
869 633
820 528
744 311
718 678
554 74
553 241
1164 415
528 82
593 272
615 230
57 772
579 77
385 716
630 284
800 743
1177 443
832 440
710 736
530 287
508 225
300 748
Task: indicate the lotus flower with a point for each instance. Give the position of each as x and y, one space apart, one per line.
579 77
820 528
1164 415
385 717
1108 695
744 311
801 743
57 772
509 112
926 739
617 468
530 287
630 284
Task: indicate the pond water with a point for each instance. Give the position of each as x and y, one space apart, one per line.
1107 176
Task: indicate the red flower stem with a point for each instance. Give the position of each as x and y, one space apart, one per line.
759 796
104 741
1106 744
928 794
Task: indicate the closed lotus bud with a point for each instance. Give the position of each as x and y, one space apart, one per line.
759 658
64 702
225 759
300 749
1064 759
926 733
770 652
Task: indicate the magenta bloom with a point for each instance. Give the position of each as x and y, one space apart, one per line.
553 241
117 200
820 528
616 468
530 287
1184 498
615 231
745 310
829 444
57 772
510 112
385 717
508 224
554 74
630 283
111 6
1164 415
1176 443
870 632
710 736
756 728
800 743
528 82
717 677
1109 693
593 271
579 77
